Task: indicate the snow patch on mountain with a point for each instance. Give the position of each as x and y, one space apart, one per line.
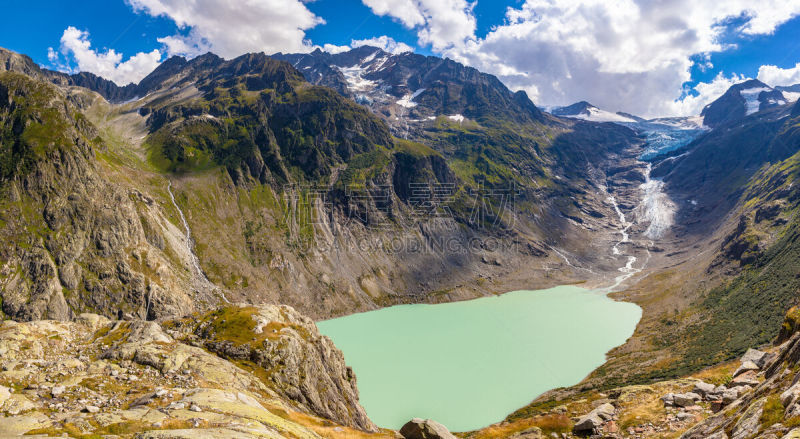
456 118
791 96
597 115
355 80
407 100
750 96
370 57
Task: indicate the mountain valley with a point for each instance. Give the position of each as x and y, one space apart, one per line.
163 242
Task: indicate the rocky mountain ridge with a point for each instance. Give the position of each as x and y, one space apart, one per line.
587 111
410 90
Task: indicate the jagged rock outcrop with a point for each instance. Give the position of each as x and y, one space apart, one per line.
303 365
95 376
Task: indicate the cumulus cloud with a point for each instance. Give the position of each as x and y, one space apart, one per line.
232 28
774 75
75 46
386 43
332 48
704 94
630 55
442 24
188 47
52 55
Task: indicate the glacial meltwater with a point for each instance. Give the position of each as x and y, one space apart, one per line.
470 364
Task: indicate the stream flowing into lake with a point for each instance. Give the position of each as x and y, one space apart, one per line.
470 364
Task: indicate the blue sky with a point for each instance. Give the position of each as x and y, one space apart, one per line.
670 58
781 48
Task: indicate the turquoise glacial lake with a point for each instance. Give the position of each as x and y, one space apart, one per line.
470 364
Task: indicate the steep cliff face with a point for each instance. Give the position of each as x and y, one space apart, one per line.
74 241
303 366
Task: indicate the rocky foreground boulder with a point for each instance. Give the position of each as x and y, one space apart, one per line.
594 420
768 405
92 376
425 429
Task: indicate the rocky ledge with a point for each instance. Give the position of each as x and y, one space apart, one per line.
239 372
771 410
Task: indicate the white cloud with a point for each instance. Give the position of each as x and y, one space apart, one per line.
332 48
707 92
52 55
75 44
630 55
177 45
386 43
407 12
442 24
232 28
774 75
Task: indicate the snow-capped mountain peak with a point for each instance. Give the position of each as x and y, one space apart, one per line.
742 100
586 111
411 91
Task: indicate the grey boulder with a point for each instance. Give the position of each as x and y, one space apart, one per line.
702 388
685 399
425 429
756 356
588 423
746 366
595 419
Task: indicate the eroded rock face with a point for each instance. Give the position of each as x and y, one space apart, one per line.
158 381
750 422
97 245
304 366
